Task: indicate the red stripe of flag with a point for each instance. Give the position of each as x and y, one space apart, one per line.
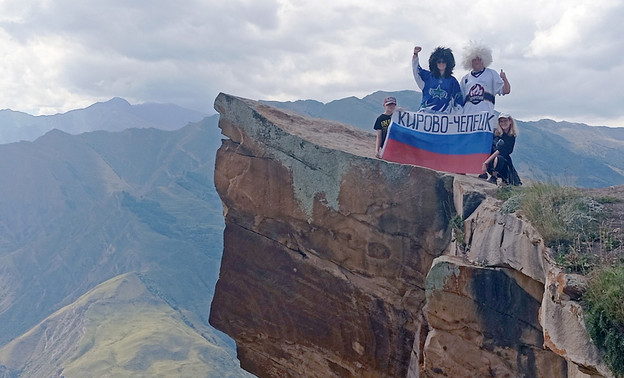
406 154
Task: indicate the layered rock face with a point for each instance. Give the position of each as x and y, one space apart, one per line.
339 264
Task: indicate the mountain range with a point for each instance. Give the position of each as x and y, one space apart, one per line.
110 246
114 115
111 230
570 154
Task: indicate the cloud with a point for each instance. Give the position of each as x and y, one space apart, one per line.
563 58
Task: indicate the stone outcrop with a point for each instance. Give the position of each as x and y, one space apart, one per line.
339 264
483 322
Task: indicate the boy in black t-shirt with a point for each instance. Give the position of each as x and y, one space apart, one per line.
382 123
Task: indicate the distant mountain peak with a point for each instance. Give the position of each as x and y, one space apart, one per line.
113 102
118 100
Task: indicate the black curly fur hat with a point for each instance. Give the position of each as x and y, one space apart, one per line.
444 54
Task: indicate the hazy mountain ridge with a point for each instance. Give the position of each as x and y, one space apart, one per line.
114 115
562 152
81 210
351 110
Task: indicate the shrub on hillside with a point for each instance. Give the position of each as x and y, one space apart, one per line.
604 314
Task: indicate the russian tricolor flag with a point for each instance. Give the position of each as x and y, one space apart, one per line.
445 142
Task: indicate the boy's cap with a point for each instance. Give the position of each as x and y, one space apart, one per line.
389 100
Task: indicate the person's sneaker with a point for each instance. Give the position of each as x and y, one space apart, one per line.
483 176
492 180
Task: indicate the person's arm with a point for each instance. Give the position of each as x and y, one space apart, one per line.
457 97
415 68
378 144
506 85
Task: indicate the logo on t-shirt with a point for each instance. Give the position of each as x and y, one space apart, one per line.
438 92
475 95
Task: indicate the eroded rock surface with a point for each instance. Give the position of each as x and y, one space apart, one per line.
483 323
339 264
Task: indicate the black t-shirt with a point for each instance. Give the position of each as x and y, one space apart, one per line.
382 123
506 148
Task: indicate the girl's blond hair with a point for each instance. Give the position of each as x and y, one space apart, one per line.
513 130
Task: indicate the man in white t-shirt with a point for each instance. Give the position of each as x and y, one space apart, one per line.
481 84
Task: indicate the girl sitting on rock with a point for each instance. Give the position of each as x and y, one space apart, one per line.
499 164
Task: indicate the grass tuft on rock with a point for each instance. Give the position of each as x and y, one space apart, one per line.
568 220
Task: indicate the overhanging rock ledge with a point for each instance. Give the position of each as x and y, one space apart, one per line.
336 263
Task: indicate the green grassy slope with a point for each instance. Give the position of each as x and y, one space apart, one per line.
119 328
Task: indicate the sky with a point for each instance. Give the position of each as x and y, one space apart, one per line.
563 58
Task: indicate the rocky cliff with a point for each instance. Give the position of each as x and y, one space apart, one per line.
339 264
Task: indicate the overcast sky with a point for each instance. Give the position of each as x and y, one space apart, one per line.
563 58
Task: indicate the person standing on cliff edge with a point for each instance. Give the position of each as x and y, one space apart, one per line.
481 84
382 123
440 90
